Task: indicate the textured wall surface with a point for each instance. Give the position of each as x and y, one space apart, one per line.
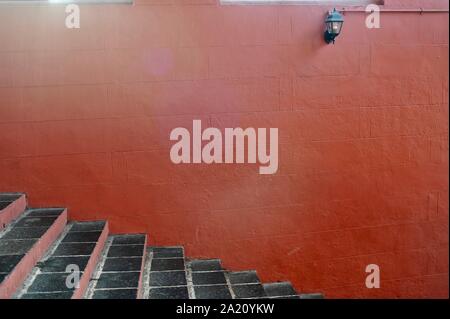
85 117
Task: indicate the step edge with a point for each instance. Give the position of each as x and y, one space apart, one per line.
92 264
13 211
18 275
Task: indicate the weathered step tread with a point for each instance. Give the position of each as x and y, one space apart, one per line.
21 237
208 278
126 251
166 264
50 282
279 289
118 280
246 284
36 221
44 212
76 248
15 246
12 205
59 264
121 269
167 252
169 293
248 290
4 204
25 233
129 239
167 278
243 277
82 237
115 294
10 197
123 264
48 295
205 264
88 226
6 199
212 292
7 263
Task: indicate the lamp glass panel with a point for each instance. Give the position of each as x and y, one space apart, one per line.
330 27
336 27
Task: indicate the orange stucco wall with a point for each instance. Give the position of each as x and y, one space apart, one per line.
85 117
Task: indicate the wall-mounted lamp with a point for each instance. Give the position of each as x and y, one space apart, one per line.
333 25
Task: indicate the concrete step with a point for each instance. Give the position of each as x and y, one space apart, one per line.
167 277
246 284
280 290
12 205
41 257
172 276
205 265
243 277
24 242
209 279
79 246
120 270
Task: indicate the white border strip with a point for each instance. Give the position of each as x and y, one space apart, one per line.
304 2
55 2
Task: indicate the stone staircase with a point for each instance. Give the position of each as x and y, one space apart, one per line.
45 256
